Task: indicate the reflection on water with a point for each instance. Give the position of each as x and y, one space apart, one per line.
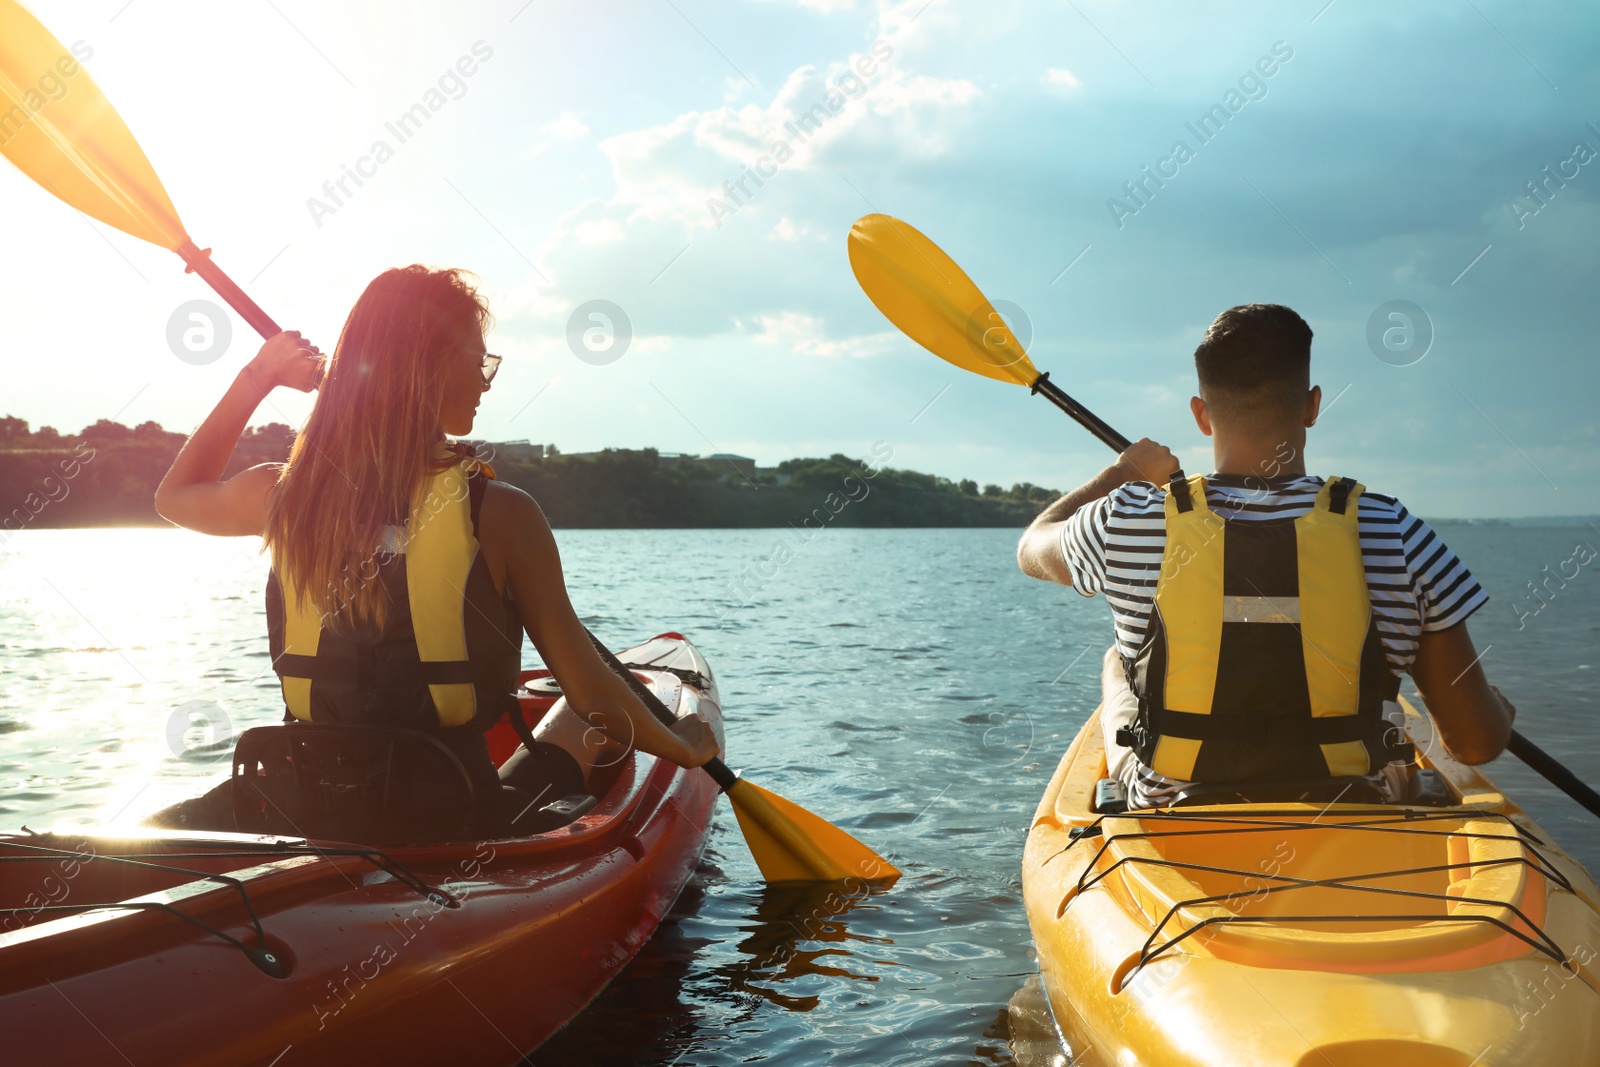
787 919
744 993
794 938
1034 1039
909 685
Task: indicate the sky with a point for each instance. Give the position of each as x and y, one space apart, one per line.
1359 153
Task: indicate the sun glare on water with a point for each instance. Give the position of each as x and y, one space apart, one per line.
133 657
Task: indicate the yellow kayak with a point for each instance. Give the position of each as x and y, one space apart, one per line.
1449 932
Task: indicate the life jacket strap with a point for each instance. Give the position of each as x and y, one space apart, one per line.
1286 732
332 667
1339 495
1179 488
1273 731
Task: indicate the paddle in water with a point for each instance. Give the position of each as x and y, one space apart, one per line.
932 301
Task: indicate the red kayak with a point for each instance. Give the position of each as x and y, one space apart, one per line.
180 947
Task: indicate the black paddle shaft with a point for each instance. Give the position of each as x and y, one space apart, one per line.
1086 418
199 262
718 770
1554 772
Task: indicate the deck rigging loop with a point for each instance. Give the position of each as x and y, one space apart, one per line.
1375 820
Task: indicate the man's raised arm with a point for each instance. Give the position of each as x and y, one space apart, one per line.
1039 552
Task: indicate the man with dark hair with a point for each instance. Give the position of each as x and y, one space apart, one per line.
1264 616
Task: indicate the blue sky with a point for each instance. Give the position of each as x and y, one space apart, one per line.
1379 161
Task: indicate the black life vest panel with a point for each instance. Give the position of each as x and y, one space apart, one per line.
451 650
1263 659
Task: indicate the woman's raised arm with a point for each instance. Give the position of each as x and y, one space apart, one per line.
192 494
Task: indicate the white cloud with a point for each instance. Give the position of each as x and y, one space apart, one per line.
807 335
761 264
598 232
566 125
668 171
1061 77
786 230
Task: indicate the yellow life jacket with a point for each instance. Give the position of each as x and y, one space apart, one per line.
451 649
1263 659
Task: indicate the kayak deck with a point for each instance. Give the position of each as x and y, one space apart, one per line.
1310 933
1454 891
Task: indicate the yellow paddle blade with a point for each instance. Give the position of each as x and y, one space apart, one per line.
932 301
792 845
62 132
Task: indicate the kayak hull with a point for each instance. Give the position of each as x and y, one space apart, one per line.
377 971
1457 936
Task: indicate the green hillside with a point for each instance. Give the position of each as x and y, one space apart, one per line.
107 475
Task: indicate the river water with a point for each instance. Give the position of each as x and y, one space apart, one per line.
910 685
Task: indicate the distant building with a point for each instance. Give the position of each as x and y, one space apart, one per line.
743 464
520 451
724 463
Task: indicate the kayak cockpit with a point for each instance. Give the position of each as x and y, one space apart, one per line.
395 787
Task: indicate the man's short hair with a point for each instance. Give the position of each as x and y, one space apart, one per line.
1255 359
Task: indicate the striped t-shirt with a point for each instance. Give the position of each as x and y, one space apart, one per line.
1114 546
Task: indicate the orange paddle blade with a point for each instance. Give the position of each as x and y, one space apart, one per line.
61 131
932 301
792 845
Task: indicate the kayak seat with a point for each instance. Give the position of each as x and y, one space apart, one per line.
532 818
364 784
542 789
1345 790
1110 797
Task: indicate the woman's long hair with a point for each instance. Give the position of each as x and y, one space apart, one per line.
371 442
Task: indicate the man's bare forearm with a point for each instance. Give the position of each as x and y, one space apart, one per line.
1039 554
1101 485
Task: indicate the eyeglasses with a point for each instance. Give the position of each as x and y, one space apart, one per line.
491 367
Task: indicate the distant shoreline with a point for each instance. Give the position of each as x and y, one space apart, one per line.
106 477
